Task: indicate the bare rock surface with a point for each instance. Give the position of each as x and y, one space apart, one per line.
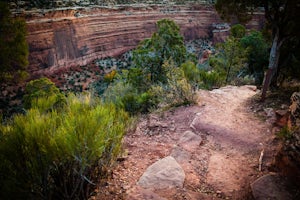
181 156
189 141
216 142
165 173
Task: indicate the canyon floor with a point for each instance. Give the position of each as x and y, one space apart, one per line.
217 143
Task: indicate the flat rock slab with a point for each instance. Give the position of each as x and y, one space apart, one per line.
181 156
165 173
272 186
189 141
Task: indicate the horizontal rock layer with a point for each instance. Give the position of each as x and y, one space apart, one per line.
73 37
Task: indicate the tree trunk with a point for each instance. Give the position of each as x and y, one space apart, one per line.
273 65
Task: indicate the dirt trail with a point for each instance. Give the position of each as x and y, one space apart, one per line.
222 166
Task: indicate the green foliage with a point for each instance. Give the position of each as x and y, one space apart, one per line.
164 44
135 103
285 133
200 78
177 91
238 31
39 90
257 54
230 59
239 58
211 79
13 47
153 80
281 20
139 78
59 154
125 95
191 72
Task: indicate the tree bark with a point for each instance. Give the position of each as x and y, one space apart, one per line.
273 64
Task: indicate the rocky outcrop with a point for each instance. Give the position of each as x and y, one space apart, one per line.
72 37
288 159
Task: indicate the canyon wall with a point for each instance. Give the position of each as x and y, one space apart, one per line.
71 37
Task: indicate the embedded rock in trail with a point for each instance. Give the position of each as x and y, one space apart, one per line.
181 156
189 141
165 173
272 186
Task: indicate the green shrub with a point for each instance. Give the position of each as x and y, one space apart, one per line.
177 91
238 31
59 154
166 43
38 90
257 56
191 72
211 79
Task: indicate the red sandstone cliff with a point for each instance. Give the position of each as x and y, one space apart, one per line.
65 38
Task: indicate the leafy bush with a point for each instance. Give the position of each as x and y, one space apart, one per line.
59 154
258 54
211 79
38 90
238 31
126 96
200 78
153 79
166 43
177 91
191 72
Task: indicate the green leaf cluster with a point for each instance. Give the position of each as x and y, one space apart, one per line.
59 154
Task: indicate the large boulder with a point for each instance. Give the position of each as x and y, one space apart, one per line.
163 174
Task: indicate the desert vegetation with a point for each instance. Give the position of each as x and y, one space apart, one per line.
62 143
13 47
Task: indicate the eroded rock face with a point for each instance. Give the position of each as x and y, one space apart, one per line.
288 159
73 37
